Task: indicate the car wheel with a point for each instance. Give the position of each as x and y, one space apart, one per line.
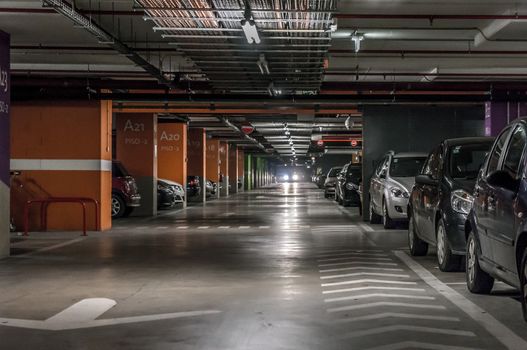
523 284
478 281
417 246
118 206
386 220
374 217
446 260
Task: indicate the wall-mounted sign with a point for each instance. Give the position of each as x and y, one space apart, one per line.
247 129
354 143
320 143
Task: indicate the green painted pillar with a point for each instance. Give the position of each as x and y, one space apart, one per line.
248 172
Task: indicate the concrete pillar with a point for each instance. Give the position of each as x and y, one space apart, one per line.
241 169
137 150
196 163
172 152
63 149
224 168
5 102
233 168
499 114
213 163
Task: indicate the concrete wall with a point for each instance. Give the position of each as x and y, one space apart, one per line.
413 129
5 102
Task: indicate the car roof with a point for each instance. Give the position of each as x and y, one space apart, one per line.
467 140
410 155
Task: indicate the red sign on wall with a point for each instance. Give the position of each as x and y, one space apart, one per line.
320 143
354 143
247 129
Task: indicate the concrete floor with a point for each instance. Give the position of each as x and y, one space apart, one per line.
279 268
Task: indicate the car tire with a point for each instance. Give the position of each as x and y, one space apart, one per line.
478 281
374 217
417 246
118 206
446 260
523 284
387 222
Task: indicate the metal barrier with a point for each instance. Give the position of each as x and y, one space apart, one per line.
44 204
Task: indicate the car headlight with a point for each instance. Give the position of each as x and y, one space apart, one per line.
285 177
461 201
398 193
351 186
295 177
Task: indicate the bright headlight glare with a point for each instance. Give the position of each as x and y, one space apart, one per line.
461 201
295 177
286 177
399 193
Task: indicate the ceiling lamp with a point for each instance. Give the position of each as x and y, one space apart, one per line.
357 38
263 65
249 28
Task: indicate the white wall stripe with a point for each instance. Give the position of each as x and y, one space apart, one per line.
61 164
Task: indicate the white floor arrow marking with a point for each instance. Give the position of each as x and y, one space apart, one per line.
395 328
84 313
397 315
359 268
364 274
419 345
371 288
385 303
378 295
504 335
365 281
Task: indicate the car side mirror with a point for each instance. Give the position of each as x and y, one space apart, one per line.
503 179
426 180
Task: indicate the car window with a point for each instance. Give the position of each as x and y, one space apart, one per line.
495 155
379 166
434 163
466 160
406 166
513 157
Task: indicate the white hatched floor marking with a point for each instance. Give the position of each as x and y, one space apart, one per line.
384 304
361 262
264 227
365 281
366 228
384 315
223 227
357 289
419 345
203 227
244 227
352 251
378 295
394 328
380 274
360 268
506 336
353 258
350 254
182 227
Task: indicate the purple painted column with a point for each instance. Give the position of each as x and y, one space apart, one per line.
499 114
5 103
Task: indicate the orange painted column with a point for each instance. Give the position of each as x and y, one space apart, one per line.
136 148
241 168
224 168
196 159
213 163
172 152
62 149
233 169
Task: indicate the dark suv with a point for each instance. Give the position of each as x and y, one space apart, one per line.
347 185
442 198
125 196
496 230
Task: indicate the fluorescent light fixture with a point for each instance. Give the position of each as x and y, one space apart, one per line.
249 29
357 38
263 65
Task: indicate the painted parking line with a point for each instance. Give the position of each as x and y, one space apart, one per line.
182 227
264 227
378 295
340 269
52 247
384 288
203 227
385 315
502 333
356 257
356 274
351 254
419 345
223 227
366 228
366 281
351 251
360 262
162 227
413 329
383 304
244 227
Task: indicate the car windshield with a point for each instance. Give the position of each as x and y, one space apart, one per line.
466 160
118 170
334 172
354 174
406 166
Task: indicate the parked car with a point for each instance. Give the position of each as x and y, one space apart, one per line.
193 187
166 197
125 196
496 229
442 198
321 179
330 182
390 186
209 187
177 188
347 185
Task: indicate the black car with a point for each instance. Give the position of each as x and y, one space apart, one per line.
442 198
166 197
321 179
347 185
193 187
496 230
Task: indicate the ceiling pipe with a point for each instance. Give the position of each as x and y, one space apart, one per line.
66 9
429 52
247 137
429 17
84 12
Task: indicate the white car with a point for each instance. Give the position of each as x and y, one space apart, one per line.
177 188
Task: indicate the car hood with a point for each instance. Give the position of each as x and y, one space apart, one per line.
405 182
